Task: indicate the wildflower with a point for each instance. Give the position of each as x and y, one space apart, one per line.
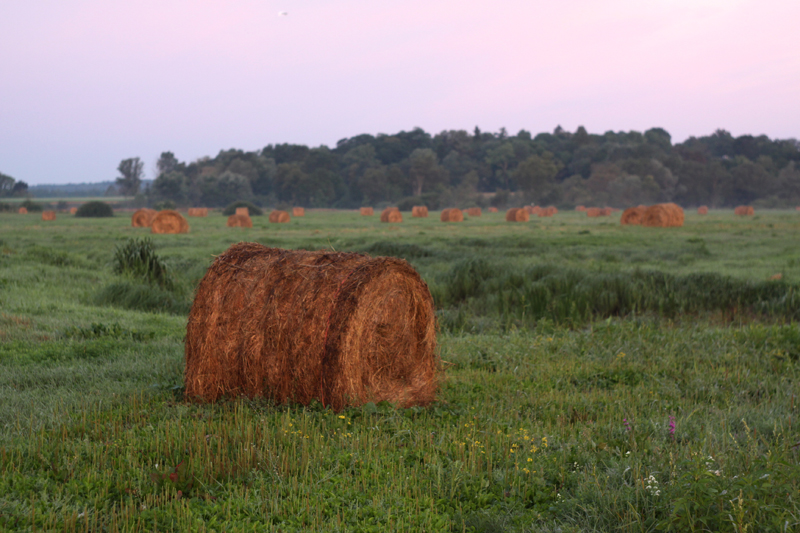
340 416
544 442
672 427
621 354
626 424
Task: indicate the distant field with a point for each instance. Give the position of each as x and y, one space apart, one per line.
598 378
70 200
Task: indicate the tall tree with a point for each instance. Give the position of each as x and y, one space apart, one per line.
536 175
424 170
6 184
167 163
131 171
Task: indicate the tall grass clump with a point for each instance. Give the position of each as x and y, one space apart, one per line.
138 258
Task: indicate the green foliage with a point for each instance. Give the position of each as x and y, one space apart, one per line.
98 330
254 210
164 204
138 258
32 206
95 209
396 249
142 297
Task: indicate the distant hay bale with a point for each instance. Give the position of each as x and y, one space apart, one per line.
594 212
744 210
529 209
580 208
547 211
516 214
199 211
419 211
169 221
295 326
367 211
776 277
243 211
278 217
607 211
298 212
632 216
702 210
239 221
391 214
452 215
73 210
48 215
22 211
143 218
663 216
494 209
474 211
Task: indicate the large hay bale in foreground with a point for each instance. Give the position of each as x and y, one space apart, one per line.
493 209
48 215
663 216
143 218
239 221
452 215
278 217
296 326
744 210
632 216
474 211
198 211
419 211
516 214
391 214
702 210
298 212
169 221
242 211
367 211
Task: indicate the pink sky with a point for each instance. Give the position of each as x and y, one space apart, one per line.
86 83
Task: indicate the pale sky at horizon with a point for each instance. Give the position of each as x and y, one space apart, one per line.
87 83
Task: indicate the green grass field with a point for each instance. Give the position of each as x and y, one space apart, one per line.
596 378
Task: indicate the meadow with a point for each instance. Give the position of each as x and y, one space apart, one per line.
595 378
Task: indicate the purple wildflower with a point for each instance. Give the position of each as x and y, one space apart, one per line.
672 427
627 426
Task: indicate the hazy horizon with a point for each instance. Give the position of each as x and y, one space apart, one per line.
93 83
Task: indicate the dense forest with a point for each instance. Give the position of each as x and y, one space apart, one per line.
458 168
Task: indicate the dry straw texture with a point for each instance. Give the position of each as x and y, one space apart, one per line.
607 211
240 221
744 210
296 326
242 211
298 212
594 212
143 218
279 217
367 211
419 211
169 221
48 215
547 211
22 211
516 214
663 216
702 210
529 209
474 211
452 215
73 210
633 216
391 214
580 208
494 209
199 211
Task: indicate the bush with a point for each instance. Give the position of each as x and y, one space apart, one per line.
94 209
31 206
166 204
137 258
231 209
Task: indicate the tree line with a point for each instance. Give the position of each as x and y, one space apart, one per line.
459 168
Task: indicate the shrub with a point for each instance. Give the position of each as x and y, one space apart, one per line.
137 257
253 209
32 206
94 209
166 204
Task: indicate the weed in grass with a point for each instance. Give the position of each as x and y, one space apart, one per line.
137 258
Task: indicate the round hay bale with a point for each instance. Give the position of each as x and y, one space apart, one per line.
474 211
494 209
516 214
296 326
663 216
547 211
391 214
198 211
48 215
367 211
298 212
242 211
744 210
240 221
606 211
452 215
632 216
143 218
73 210
580 208
419 211
278 217
594 212
22 211
169 221
702 210
530 209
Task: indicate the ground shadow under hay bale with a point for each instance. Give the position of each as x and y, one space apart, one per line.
340 328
